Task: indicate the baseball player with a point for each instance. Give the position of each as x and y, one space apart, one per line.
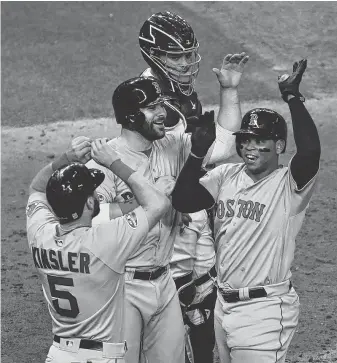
81 266
154 325
174 58
260 208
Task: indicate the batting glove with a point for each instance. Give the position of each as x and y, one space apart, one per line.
204 136
289 85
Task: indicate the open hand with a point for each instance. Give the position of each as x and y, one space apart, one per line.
231 71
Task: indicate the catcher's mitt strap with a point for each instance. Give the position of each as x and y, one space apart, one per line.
204 278
183 280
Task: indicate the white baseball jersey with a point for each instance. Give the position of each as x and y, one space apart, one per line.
193 247
256 224
166 158
82 272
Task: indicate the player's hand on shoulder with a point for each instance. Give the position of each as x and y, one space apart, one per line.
203 137
103 153
80 150
231 70
165 184
289 85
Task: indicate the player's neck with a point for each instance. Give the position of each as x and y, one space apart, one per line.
134 140
84 221
256 176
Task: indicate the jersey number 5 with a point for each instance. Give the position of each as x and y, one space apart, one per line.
65 295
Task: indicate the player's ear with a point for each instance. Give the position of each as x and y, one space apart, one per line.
90 202
280 145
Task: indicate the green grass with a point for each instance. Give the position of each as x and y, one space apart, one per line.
62 60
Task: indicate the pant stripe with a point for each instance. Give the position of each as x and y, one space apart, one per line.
281 345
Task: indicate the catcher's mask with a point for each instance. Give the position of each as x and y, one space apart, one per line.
262 122
134 94
169 46
68 189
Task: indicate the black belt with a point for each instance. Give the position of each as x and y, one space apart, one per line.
231 296
204 278
183 280
150 275
84 344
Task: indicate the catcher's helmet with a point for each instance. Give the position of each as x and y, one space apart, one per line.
166 34
265 123
133 94
68 189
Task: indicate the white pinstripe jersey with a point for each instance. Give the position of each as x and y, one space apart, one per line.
193 248
194 245
82 272
256 224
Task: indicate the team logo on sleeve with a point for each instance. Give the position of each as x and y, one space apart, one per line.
32 208
131 218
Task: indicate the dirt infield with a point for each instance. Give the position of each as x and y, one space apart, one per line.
26 326
62 60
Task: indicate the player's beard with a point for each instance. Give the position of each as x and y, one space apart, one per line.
151 131
96 208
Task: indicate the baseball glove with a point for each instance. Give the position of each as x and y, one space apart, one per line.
204 136
289 85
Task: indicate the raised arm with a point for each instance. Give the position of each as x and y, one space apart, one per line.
229 77
189 195
78 152
152 200
305 162
117 209
229 116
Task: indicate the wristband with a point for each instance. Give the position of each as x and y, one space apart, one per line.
121 170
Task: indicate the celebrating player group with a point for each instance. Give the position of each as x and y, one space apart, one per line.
152 247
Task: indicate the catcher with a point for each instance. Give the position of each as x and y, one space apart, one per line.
169 46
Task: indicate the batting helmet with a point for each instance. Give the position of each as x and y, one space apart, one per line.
265 123
68 189
133 94
165 35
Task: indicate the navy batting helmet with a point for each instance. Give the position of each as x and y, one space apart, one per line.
134 94
68 189
265 123
164 35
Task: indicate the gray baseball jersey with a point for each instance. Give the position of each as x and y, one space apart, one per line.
82 272
166 158
256 224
